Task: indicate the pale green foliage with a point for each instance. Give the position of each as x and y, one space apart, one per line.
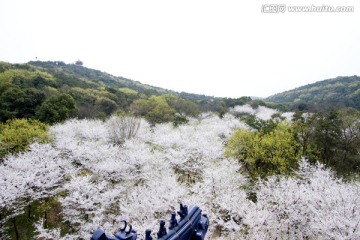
164 108
17 134
26 79
155 109
162 112
182 106
128 91
264 154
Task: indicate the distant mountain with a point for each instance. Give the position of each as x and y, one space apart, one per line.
331 93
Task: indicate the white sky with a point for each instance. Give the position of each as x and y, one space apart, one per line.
220 48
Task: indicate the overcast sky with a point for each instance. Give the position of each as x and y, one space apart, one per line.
219 48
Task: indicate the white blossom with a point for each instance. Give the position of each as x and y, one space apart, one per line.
144 178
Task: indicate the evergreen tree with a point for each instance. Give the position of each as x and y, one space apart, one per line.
57 108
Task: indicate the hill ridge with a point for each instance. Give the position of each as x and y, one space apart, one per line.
342 91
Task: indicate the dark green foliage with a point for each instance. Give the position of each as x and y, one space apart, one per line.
327 136
303 124
338 92
256 103
332 138
4 66
22 92
349 157
48 209
214 105
32 101
232 102
196 97
106 105
122 99
343 140
11 101
18 103
265 126
179 120
57 108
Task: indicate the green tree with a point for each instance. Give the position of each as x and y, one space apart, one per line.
106 105
162 112
264 126
304 127
263 154
141 107
155 109
32 101
17 103
57 108
4 66
85 101
28 78
232 102
332 138
327 136
348 158
182 106
12 101
17 134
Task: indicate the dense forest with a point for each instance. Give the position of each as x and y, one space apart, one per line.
332 93
82 149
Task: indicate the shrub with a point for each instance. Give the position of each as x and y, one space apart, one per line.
122 128
265 153
17 134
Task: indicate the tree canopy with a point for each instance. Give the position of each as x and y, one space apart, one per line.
57 108
265 153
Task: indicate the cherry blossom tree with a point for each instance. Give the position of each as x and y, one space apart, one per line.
35 174
313 204
143 179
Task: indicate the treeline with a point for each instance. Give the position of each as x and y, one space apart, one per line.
332 93
276 146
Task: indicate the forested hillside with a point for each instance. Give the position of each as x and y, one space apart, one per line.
332 93
54 91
